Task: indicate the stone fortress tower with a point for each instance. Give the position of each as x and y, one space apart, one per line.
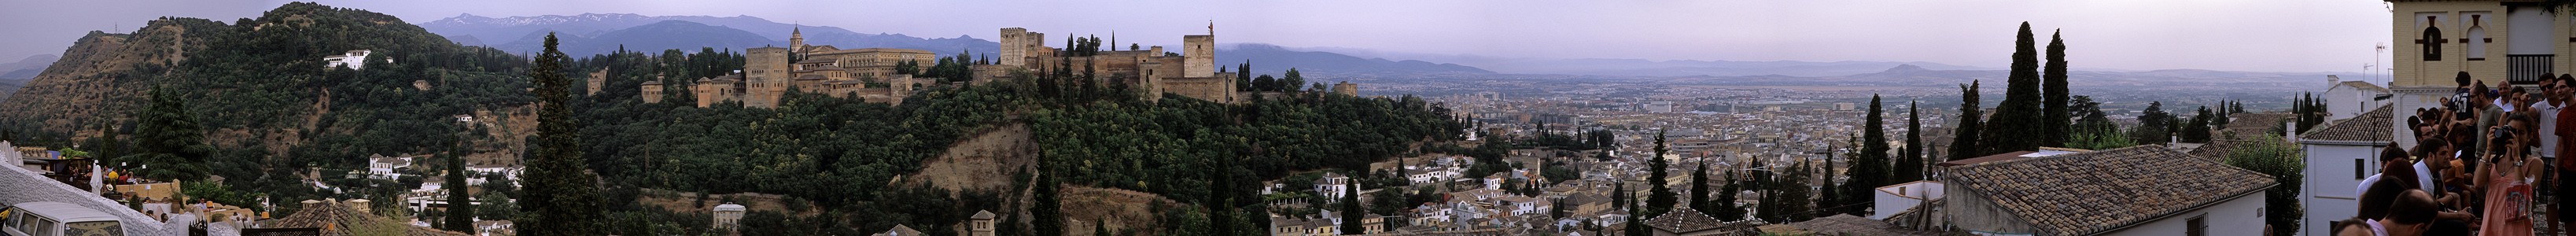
869 73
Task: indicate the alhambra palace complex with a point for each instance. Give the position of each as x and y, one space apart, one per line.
869 73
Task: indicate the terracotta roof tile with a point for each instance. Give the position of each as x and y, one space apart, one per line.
2087 193
2373 126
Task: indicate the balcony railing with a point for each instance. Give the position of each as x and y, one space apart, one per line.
2527 69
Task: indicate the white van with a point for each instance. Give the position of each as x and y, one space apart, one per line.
57 219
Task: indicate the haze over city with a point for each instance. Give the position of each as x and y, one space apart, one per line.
2270 36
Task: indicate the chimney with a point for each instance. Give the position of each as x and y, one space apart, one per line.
361 206
2291 131
2331 80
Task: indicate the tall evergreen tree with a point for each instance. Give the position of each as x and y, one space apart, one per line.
2019 114
1660 198
460 211
2198 129
1699 188
1833 193
1352 212
1964 143
2057 123
1048 208
561 196
173 145
1869 168
1909 167
1725 208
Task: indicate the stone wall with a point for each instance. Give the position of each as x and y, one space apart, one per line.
26 186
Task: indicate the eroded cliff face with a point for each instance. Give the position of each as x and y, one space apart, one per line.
103 76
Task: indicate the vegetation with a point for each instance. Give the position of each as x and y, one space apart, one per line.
1909 166
173 145
563 193
2282 161
2155 126
2020 113
1869 167
1659 198
1965 145
2056 121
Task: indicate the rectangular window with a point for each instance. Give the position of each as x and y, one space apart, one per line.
2198 226
2360 168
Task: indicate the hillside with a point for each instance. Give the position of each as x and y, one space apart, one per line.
259 88
102 75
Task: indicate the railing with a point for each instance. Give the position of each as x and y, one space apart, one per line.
2527 69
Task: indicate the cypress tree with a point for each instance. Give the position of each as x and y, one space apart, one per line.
1833 192
1699 189
1048 209
2019 114
2056 123
460 209
1964 143
561 196
1351 211
1909 167
1660 197
1869 169
1724 207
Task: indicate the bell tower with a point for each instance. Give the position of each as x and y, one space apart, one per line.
796 40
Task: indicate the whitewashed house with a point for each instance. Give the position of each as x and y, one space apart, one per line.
2339 156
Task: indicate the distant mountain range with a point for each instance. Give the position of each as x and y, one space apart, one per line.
526 33
26 68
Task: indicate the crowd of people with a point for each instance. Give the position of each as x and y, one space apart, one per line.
2476 164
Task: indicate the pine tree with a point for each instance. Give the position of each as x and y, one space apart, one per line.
1964 145
560 196
173 145
1699 189
1660 197
2019 114
2054 88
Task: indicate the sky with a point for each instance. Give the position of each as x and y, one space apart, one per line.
2238 35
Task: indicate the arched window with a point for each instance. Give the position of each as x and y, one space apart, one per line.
2432 43
2477 41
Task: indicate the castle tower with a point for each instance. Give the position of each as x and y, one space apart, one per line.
981 224
1018 44
766 71
1198 58
653 90
1347 88
796 40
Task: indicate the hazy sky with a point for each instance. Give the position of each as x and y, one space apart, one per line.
2265 35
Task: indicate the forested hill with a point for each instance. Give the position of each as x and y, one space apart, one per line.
259 88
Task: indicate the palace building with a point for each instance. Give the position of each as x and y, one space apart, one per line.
869 73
